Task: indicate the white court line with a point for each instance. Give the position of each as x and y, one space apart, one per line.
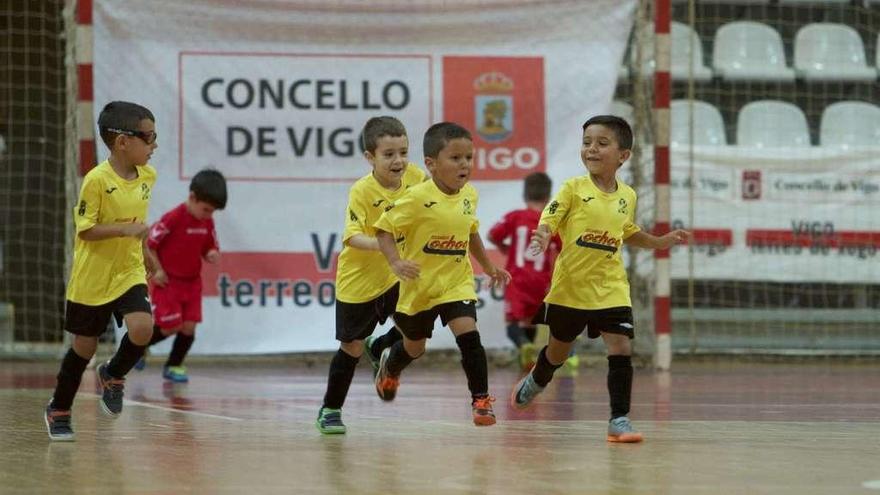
170 409
872 485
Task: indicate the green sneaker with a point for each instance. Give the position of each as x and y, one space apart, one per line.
528 356
329 421
374 361
176 374
570 366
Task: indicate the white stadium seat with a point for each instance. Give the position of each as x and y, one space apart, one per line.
746 50
850 123
771 124
681 36
708 124
831 52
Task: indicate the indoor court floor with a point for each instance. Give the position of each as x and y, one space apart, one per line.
248 428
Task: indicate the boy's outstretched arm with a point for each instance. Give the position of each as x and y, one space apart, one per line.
154 268
499 276
404 269
363 241
649 241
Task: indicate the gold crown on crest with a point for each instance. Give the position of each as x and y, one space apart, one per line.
493 81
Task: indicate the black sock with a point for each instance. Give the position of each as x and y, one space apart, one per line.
473 360
516 334
182 343
126 356
158 336
398 359
69 376
339 379
620 380
544 369
531 332
385 341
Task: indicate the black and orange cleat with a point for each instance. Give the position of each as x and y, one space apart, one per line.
386 385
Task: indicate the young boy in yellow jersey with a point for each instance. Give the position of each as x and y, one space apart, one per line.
594 214
437 223
108 276
366 290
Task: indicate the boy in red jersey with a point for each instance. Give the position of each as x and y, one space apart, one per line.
530 274
177 244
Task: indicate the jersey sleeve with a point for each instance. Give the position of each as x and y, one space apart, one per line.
211 243
160 230
630 227
88 207
556 210
502 230
397 219
355 216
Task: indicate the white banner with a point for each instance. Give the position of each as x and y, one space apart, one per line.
787 215
274 95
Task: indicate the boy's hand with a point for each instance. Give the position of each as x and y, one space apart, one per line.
159 277
540 241
677 236
212 256
500 277
405 269
136 229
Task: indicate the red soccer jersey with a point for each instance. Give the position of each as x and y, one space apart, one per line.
181 240
529 273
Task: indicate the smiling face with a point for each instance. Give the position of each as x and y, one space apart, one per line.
452 167
137 150
601 152
389 160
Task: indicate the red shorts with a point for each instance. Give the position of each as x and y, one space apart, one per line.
176 303
521 302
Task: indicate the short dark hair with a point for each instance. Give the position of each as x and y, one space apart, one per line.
617 125
378 127
209 185
120 115
537 187
438 135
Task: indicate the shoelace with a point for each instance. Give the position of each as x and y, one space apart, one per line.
115 386
60 419
332 418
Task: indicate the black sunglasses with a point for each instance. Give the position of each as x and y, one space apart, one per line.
147 137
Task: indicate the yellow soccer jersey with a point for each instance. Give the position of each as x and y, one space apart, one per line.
363 275
103 270
436 228
592 224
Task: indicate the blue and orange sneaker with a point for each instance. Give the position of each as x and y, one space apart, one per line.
111 391
620 430
58 424
524 392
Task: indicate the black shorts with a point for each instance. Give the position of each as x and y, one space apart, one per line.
567 323
356 321
91 321
421 325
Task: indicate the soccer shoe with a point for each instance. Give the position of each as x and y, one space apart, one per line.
329 421
386 385
374 361
528 356
483 414
176 374
524 392
58 424
620 430
111 391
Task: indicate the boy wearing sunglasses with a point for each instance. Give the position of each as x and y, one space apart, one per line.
108 277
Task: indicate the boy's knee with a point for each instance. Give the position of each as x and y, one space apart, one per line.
188 328
354 348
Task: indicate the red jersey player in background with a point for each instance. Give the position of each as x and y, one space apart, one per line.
530 274
176 246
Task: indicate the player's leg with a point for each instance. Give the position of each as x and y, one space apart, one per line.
565 325
167 318
416 330
462 320
373 346
617 335
174 370
354 322
134 307
57 415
